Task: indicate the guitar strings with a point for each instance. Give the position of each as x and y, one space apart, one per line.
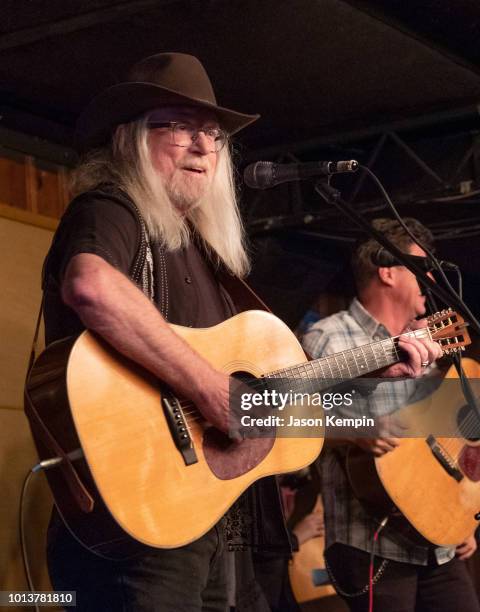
303 376
197 416
259 382
423 333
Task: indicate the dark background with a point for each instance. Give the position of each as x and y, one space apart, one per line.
394 84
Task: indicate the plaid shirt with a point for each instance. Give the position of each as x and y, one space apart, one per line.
346 521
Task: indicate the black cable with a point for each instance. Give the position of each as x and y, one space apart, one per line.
460 282
414 238
21 531
42 465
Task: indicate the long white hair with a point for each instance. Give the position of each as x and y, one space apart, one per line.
216 219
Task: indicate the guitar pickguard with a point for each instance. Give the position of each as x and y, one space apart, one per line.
229 459
469 462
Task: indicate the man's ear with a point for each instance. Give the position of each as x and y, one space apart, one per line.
386 275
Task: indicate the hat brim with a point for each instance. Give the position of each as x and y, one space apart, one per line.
127 101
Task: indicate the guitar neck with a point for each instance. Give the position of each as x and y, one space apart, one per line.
346 365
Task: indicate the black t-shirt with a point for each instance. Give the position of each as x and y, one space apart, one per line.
104 223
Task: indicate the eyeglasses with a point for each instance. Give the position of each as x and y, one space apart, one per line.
184 134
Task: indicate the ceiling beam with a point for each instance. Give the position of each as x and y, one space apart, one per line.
337 137
27 36
37 147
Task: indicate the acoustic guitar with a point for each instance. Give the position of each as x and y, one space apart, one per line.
308 577
432 480
150 460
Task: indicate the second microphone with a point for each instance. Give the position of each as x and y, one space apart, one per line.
263 174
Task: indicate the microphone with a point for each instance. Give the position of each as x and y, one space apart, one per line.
384 259
264 174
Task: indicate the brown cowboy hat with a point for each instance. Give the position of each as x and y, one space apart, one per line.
158 80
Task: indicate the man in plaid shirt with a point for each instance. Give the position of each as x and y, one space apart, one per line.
408 577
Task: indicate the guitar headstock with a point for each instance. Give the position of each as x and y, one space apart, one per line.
449 329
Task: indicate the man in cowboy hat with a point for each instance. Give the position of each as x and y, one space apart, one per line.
155 204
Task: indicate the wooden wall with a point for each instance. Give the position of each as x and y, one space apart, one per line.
32 185
33 195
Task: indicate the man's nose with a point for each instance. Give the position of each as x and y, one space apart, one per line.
201 143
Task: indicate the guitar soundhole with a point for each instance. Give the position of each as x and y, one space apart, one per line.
469 426
229 459
244 377
247 383
468 423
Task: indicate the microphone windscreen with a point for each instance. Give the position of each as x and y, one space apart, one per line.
259 175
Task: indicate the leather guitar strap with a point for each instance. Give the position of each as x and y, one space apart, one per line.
33 350
78 490
243 296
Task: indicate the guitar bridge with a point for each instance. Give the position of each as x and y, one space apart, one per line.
178 428
444 458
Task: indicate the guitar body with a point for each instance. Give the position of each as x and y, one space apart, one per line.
440 507
305 562
133 469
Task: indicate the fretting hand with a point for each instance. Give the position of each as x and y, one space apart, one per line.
420 354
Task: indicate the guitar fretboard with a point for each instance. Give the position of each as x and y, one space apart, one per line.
345 365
